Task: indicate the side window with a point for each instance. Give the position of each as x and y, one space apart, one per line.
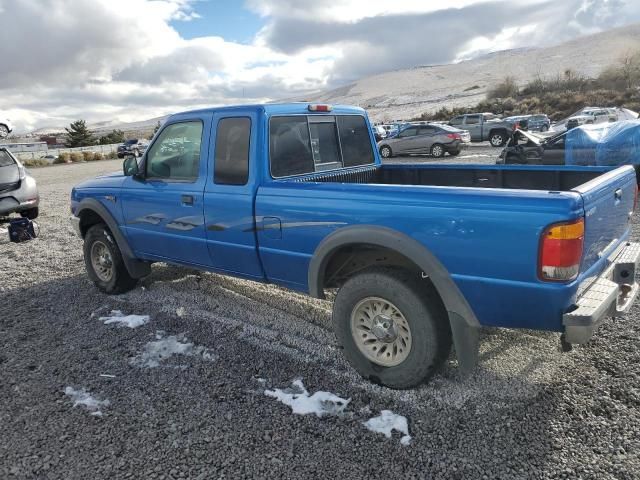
457 121
232 151
409 132
557 144
472 119
175 155
290 146
426 130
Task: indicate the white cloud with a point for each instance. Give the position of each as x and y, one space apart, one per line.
123 59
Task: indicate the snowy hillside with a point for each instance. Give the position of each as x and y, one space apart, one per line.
407 93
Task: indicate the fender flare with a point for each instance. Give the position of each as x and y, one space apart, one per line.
136 268
455 303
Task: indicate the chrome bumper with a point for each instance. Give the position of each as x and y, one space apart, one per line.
75 224
610 295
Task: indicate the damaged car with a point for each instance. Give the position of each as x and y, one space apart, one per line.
526 148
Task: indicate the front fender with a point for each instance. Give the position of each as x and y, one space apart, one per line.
136 268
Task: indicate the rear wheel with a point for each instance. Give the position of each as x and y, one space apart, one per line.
437 150
31 214
104 262
392 327
497 139
385 151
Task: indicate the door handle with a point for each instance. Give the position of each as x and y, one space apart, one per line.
187 199
618 194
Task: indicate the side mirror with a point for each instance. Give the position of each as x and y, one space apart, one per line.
130 166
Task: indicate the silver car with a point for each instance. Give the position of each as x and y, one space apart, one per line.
18 190
434 139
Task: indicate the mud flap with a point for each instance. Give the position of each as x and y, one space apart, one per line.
466 342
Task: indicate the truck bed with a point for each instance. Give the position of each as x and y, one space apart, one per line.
490 176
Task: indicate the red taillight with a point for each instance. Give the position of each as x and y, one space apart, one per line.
454 136
561 251
319 108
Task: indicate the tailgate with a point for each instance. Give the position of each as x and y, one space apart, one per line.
608 206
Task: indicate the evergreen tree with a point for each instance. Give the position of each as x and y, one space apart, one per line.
78 135
116 136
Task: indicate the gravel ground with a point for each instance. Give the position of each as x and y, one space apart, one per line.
529 411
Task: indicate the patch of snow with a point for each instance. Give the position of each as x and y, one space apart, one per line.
388 421
180 311
163 348
85 399
298 398
131 321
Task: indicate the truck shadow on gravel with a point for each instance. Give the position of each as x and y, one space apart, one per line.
497 422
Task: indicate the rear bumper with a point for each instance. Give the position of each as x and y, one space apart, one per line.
23 198
610 295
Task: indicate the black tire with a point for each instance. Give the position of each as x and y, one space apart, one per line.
437 150
421 306
386 152
544 128
498 139
454 153
31 214
120 280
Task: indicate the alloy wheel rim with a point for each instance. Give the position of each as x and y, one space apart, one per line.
437 151
381 331
101 261
385 152
496 140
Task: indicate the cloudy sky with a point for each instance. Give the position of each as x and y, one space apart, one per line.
131 60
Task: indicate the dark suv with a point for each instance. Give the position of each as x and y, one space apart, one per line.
132 146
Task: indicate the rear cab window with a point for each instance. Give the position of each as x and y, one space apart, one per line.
5 159
302 144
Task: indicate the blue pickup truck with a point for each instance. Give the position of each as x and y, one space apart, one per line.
421 256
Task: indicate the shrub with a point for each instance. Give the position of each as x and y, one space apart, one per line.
112 155
62 158
76 157
35 162
97 156
507 88
88 156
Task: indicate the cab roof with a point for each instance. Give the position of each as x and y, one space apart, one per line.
292 108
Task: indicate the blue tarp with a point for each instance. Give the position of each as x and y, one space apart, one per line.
605 144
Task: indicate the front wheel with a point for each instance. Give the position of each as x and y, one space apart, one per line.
392 326
385 151
104 262
498 139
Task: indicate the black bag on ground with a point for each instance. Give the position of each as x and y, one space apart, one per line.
22 230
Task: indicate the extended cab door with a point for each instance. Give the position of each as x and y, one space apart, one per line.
163 209
230 192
